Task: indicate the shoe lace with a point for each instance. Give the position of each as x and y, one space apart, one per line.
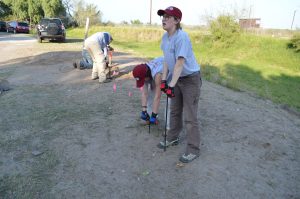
189 156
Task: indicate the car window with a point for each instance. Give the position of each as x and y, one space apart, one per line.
45 22
23 24
57 21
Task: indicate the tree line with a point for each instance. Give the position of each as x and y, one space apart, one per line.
72 12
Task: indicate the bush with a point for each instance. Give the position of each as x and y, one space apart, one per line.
225 30
295 42
136 22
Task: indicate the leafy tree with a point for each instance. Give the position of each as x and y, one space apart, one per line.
4 10
21 9
68 6
53 8
18 7
6 3
35 11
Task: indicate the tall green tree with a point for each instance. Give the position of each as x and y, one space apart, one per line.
68 4
35 11
6 2
32 10
20 9
53 8
4 10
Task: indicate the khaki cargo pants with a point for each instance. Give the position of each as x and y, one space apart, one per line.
98 57
185 103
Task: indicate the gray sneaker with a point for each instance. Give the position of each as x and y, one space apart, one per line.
161 145
188 158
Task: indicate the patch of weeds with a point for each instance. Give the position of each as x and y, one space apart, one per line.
271 184
210 72
5 73
232 84
37 111
81 142
34 184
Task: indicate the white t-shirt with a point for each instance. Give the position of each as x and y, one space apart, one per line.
156 66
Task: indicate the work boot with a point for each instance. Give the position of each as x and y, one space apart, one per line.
81 65
74 64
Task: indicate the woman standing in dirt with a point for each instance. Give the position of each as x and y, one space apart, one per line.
97 45
181 67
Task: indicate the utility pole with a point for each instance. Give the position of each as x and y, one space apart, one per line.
249 18
293 19
150 12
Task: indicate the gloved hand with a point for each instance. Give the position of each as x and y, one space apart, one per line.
163 86
170 92
145 116
153 118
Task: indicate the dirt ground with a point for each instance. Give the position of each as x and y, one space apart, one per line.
63 135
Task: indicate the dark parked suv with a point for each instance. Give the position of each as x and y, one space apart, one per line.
2 26
51 28
16 27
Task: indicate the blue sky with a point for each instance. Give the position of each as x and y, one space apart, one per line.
273 13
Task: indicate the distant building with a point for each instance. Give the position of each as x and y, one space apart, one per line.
249 23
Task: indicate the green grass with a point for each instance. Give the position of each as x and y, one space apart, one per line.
34 116
5 73
261 65
32 183
258 64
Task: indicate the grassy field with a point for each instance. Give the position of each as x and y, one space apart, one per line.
261 65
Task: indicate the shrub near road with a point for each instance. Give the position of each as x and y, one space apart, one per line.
259 64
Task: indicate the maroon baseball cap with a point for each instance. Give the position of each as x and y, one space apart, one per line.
139 73
171 11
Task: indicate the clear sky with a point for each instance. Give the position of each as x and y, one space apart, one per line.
273 13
